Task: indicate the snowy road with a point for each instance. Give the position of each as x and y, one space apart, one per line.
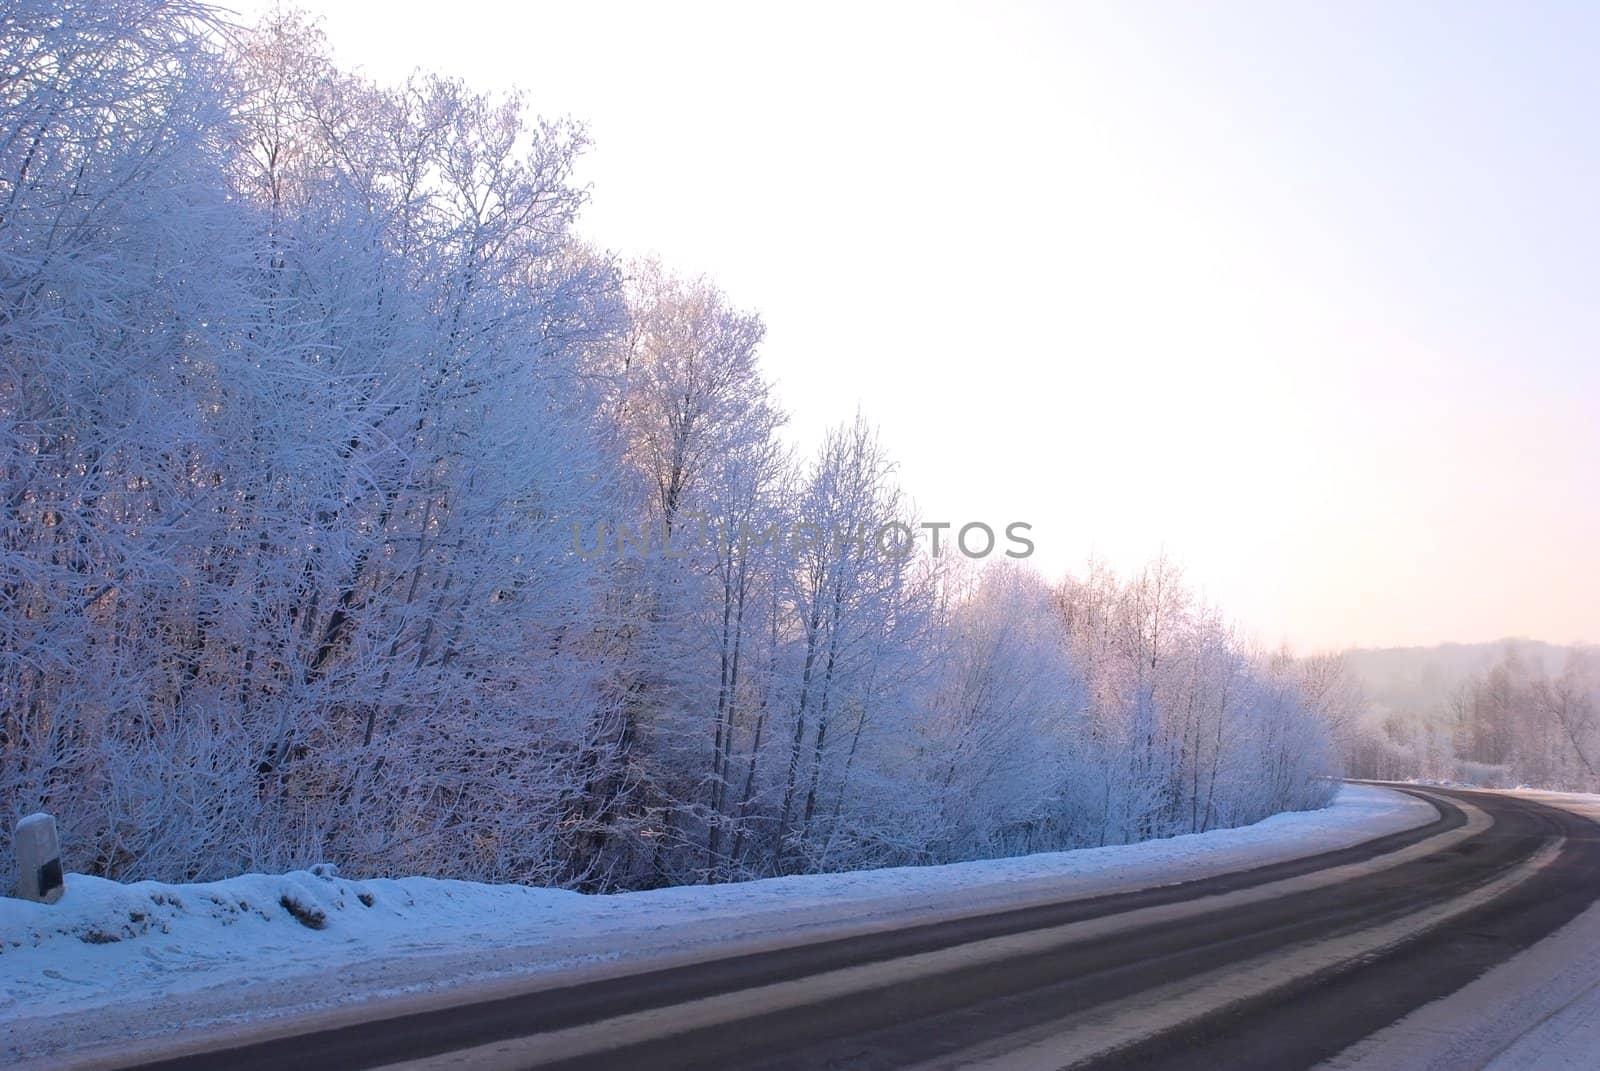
1287 965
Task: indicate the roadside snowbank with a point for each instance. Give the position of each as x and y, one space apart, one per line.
1537 1011
148 958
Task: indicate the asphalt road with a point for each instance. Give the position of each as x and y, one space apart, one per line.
1274 968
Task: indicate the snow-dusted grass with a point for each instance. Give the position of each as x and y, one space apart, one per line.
152 958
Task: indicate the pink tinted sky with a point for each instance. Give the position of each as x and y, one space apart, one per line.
1305 294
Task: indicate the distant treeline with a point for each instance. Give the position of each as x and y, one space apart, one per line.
1497 715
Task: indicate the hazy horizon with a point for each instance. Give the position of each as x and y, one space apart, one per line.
1296 294
805 538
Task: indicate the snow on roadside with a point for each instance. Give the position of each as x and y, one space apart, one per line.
1537 1011
148 958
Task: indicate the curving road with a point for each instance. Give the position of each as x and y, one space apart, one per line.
1275 968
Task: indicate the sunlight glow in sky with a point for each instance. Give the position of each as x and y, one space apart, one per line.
1305 294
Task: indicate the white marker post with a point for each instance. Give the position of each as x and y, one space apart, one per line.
39 875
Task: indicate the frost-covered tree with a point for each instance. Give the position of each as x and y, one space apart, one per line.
356 509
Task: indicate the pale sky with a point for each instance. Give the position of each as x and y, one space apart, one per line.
1305 294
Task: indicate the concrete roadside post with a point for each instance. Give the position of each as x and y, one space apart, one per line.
39 875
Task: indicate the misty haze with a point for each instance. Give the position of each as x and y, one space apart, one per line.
695 535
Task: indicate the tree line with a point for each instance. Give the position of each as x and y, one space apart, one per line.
307 391
1530 717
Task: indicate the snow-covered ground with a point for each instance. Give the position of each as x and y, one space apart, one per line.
1538 1011
112 962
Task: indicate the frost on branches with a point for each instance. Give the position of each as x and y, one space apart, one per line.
306 385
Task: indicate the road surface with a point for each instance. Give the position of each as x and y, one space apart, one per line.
1275 968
